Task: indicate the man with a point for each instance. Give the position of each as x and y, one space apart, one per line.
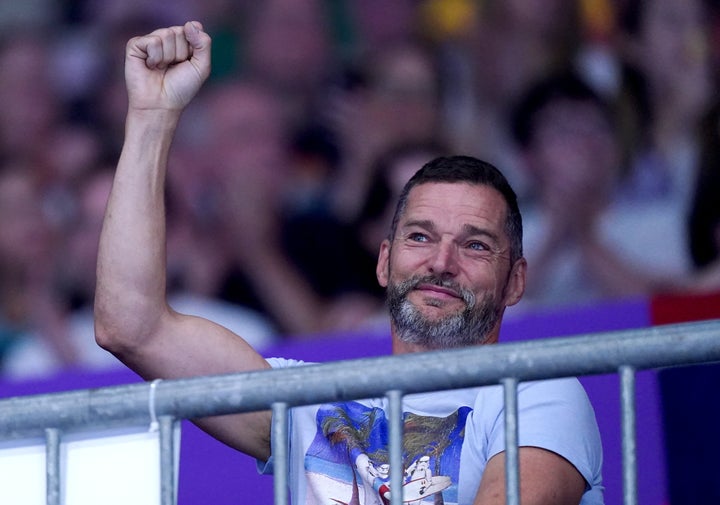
452 264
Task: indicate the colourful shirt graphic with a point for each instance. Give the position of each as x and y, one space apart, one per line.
347 461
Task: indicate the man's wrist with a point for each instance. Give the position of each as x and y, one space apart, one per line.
158 117
144 124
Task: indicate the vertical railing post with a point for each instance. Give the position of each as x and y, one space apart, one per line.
52 466
168 479
279 442
629 449
512 467
395 434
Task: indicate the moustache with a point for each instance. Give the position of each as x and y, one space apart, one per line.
413 282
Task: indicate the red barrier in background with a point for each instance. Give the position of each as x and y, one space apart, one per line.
689 410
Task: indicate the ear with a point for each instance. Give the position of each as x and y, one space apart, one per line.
515 286
382 270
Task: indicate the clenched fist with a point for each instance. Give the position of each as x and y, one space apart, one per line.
165 69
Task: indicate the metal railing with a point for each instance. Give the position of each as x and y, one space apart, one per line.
50 416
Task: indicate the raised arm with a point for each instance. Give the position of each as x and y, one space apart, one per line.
163 72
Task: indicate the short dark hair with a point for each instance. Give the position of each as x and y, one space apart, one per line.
470 170
551 89
380 195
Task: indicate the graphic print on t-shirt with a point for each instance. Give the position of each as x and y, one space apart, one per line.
347 462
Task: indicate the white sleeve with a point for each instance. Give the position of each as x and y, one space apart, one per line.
555 415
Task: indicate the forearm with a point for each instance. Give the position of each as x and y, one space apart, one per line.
616 277
132 257
291 300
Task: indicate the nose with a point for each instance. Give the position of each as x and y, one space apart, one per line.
444 261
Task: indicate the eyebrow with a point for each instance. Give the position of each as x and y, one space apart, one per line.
471 230
425 224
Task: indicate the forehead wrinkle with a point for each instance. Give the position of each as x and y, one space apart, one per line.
480 211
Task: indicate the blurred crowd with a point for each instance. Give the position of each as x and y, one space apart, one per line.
604 114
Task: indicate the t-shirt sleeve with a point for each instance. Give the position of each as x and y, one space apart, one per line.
555 415
266 467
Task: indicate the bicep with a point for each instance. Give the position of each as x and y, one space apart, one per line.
189 346
545 479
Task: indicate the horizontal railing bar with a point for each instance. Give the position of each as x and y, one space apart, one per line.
589 354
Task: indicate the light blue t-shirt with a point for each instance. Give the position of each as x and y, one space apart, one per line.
339 451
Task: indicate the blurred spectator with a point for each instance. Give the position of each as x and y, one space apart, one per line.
377 24
249 177
241 160
79 247
30 306
30 106
520 41
30 15
336 103
74 279
585 240
511 45
704 221
571 156
317 242
68 154
289 50
396 100
704 217
35 356
667 89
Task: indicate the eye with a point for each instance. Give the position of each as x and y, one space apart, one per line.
418 237
477 246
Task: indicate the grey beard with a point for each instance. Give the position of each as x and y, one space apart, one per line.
470 326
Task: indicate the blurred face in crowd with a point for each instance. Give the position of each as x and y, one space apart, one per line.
447 270
24 233
674 55
381 23
288 42
673 37
404 94
573 153
247 132
29 105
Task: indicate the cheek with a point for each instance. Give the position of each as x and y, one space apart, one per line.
490 278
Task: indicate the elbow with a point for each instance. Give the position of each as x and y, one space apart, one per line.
116 331
109 333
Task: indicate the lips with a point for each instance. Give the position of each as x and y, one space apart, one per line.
434 288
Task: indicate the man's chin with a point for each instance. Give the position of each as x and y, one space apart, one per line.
435 313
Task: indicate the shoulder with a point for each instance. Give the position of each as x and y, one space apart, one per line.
556 409
567 389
